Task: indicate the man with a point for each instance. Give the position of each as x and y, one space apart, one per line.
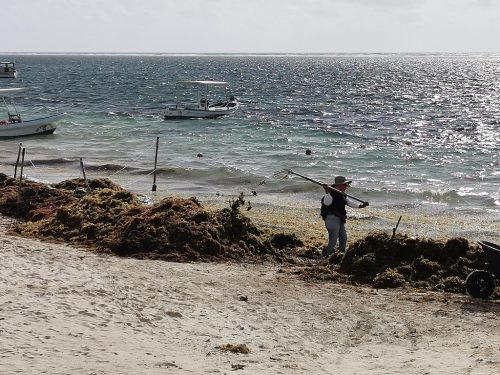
334 213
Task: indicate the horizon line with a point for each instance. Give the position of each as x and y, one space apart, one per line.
248 53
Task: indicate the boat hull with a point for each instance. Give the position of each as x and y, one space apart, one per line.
39 126
183 113
176 113
8 74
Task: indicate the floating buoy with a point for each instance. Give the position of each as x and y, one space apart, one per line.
200 155
308 152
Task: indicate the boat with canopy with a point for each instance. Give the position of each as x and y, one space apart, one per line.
203 108
8 69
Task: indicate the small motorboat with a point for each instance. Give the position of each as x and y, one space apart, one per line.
8 70
203 108
15 126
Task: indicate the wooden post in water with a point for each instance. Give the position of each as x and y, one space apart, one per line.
85 176
17 161
22 165
156 160
20 183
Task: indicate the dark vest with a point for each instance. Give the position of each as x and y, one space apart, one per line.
337 207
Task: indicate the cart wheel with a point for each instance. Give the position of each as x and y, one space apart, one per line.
480 284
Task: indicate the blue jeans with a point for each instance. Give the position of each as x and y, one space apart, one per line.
336 230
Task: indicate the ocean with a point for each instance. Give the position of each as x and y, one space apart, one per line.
414 132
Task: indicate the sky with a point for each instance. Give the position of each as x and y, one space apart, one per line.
250 26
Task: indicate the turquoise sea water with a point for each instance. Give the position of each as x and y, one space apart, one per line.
410 130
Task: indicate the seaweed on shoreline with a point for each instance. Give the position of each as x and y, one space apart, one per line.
31 200
111 219
385 262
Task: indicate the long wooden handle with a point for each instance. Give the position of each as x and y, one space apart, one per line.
329 187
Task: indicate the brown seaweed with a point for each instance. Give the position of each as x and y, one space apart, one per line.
111 219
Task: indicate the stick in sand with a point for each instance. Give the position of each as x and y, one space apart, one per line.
85 176
395 228
156 160
17 161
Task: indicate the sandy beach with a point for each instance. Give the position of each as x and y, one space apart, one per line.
163 174
68 310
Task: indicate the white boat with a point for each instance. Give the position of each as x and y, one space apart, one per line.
15 126
203 108
8 69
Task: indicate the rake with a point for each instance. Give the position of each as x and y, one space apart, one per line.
289 172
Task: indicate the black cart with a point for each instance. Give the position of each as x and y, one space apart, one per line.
482 283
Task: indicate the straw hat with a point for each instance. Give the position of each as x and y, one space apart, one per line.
341 180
